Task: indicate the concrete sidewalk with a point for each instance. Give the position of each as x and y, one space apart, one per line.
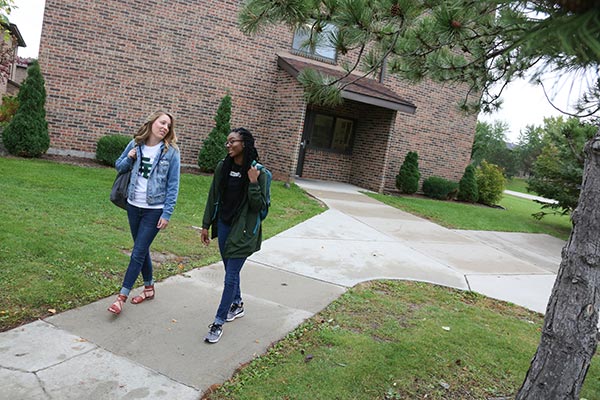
530 197
155 350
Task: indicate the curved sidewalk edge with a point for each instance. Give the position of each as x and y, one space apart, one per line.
156 349
530 197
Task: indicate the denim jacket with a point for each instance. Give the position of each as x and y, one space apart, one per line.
163 182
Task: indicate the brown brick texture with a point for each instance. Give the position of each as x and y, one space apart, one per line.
109 64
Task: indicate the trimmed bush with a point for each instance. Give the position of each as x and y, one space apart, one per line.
467 187
26 135
490 182
439 188
110 147
407 181
213 149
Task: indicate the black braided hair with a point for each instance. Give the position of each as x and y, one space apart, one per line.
250 154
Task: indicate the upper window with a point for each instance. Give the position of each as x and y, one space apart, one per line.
323 47
332 133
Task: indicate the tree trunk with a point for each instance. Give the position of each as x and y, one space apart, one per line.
570 332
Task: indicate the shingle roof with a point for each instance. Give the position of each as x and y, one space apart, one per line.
365 90
14 30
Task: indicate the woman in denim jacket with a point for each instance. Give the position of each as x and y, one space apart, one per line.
153 157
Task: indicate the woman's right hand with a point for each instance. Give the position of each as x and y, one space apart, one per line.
204 236
132 153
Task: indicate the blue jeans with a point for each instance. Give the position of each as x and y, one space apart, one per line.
142 223
231 286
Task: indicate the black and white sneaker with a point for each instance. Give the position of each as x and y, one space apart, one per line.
236 311
214 334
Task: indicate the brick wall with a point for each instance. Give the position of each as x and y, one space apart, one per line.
106 77
20 74
284 127
439 132
8 48
109 64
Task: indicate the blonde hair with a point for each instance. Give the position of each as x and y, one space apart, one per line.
145 130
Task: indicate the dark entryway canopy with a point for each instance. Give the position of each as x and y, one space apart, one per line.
365 90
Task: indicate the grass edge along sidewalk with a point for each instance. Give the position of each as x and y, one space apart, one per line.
64 244
502 337
334 333
515 214
400 340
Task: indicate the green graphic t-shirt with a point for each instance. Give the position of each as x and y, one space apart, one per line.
149 155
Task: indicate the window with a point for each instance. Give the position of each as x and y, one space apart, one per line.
342 135
323 47
331 133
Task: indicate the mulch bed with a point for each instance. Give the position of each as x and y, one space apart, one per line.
79 161
92 163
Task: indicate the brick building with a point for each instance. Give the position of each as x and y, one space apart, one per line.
21 66
13 69
109 64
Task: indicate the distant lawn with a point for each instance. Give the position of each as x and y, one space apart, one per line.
517 185
516 217
63 244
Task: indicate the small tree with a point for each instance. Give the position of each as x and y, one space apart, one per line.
490 183
467 187
407 181
529 147
490 144
27 133
213 150
558 170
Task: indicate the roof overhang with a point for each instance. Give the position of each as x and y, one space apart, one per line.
364 90
14 31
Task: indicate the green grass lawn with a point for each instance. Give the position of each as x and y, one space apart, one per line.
517 185
515 216
63 244
410 340
401 340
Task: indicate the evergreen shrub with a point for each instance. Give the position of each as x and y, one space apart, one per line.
407 181
439 188
26 135
467 187
110 147
213 149
490 183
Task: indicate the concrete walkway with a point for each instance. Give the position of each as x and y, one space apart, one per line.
155 350
530 197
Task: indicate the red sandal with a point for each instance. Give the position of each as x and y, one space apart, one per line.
117 306
147 294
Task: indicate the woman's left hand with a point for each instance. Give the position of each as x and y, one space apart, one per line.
253 174
162 223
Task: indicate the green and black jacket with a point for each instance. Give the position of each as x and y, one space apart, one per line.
246 229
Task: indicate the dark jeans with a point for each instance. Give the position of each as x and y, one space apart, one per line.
142 223
231 287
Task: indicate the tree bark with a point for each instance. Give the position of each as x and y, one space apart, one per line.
570 332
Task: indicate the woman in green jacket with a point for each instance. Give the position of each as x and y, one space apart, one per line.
237 195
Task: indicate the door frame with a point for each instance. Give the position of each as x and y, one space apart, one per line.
304 140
